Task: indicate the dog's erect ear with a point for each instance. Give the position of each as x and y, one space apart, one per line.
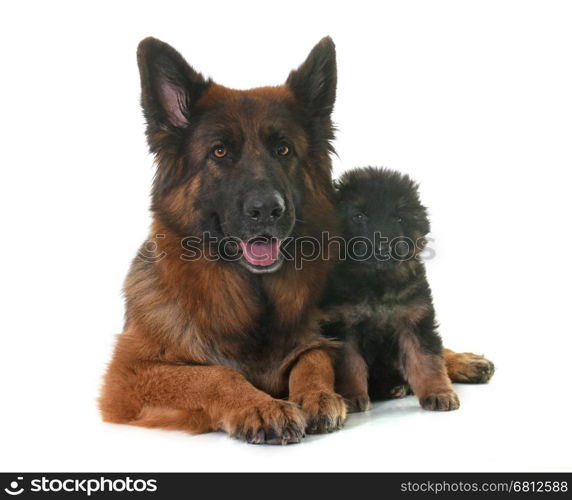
169 86
314 82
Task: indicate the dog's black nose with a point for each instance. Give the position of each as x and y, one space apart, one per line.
264 208
382 250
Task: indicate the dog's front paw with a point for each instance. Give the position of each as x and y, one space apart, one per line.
440 401
325 411
357 403
271 422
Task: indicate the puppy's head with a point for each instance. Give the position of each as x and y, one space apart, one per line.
383 219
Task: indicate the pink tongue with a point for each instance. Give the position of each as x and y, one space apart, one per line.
260 253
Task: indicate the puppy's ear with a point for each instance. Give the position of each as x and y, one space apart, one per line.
169 87
314 82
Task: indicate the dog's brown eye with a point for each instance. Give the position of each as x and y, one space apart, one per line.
219 151
283 150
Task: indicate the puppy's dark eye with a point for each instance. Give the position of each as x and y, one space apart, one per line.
283 150
219 151
359 217
399 219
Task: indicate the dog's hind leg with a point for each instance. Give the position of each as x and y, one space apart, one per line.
195 421
400 391
197 399
468 368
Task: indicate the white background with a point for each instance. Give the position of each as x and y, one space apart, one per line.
474 99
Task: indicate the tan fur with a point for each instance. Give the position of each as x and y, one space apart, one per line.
311 382
427 375
466 367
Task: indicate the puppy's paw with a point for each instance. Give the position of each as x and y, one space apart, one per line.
357 403
325 411
440 401
271 422
399 391
469 368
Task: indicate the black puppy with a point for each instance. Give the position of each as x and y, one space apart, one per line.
379 302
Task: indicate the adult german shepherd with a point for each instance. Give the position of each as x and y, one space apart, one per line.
214 343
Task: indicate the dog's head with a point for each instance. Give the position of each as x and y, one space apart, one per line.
384 221
233 163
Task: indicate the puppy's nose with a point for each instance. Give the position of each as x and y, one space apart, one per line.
264 207
383 249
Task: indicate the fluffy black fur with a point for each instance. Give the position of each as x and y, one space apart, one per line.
378 290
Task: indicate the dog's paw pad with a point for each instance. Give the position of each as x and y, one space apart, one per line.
442 401
471 368
325 411
272 422
357 403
